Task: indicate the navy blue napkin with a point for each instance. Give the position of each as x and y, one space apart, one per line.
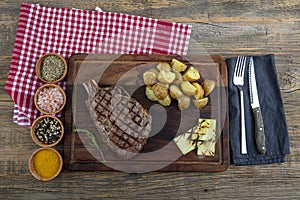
277 139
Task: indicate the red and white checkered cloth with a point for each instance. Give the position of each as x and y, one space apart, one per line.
67 31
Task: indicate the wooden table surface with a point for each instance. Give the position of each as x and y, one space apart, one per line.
225 28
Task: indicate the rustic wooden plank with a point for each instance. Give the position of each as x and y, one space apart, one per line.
213 10
238 185
232 38
4 69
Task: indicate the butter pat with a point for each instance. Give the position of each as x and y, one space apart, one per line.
207 134
184 143
206 149
202 137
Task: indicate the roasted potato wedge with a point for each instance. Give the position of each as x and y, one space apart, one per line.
208 86
187 88
184 102
175 92
166 77
154 70
160 90
163 66
178 78
150 77
166 101
200 103
192 74
178 66
199 92
150 94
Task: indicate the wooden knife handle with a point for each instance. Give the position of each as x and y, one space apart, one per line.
259 131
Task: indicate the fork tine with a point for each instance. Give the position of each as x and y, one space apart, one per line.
243 65
236 69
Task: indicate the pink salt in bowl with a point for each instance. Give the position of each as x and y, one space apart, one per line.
50 99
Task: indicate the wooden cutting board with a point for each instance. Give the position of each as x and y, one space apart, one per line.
81 153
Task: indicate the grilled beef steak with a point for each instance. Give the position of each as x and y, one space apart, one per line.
123 124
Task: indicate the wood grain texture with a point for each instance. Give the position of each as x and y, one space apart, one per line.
226 28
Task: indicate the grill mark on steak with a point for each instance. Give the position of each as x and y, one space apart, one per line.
123 124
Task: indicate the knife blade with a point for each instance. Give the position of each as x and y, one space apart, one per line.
254 100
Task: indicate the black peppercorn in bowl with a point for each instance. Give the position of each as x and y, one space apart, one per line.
51 68
47 131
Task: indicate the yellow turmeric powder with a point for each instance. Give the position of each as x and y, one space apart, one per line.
46 163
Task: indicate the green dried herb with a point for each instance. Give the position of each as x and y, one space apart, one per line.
52 68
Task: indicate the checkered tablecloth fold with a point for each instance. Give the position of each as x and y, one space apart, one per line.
67 31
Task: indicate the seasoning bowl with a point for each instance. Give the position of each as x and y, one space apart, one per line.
45 164
47 131
51 71
50 99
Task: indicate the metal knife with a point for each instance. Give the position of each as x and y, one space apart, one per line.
259 125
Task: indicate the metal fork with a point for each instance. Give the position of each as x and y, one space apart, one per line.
238 81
